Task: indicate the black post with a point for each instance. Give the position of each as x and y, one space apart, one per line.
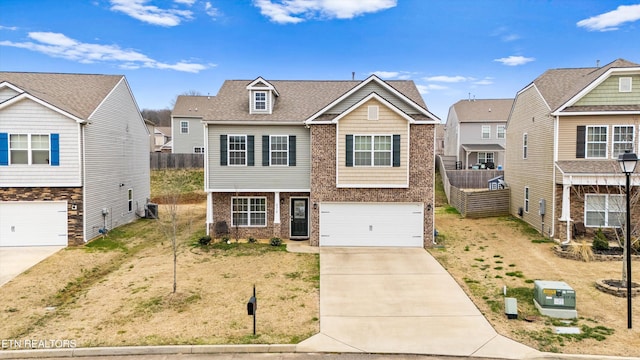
255 310
628 246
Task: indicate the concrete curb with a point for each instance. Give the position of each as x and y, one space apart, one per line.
147 350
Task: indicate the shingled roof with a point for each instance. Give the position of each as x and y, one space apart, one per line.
192 106
297 100
558 86
77 94
483 110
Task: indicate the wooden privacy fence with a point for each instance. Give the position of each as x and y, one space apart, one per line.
480 203
468 192
176 161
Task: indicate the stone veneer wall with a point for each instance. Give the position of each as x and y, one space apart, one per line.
222 212
577 209
72 195
323 177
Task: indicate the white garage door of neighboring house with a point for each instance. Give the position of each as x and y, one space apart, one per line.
33 223
372 224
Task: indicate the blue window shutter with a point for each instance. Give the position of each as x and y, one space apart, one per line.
223 150
292 150
349 150
55 150
250 151
4 149
396 150
265 150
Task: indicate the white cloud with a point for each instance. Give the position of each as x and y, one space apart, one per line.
60 46
400 75
485 81
210 10
448 79
425 89
514 60
295 11
154 15
611 20
185 2
504 34
12 28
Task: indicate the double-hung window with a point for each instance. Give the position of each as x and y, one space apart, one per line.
279 149
31 149
500 131
372 150
596 142
526 199
184 127
604 210
260 101
525 145
486 131
130 199
485 157
198 149
249 211
623 139
237 149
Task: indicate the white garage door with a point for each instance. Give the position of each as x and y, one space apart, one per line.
372 224
33 223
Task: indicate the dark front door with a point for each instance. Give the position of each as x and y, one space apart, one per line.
299 217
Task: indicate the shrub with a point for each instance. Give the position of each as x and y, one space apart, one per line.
225 239
600 242
582 251
276 241
205 240
252 240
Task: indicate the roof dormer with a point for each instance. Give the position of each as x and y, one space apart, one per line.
262 96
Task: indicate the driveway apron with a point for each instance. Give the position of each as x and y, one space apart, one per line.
15 260
399 300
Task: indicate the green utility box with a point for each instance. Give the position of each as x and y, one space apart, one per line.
554 295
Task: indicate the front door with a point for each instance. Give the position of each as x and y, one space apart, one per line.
299 218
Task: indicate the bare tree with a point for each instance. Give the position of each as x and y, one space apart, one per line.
176 221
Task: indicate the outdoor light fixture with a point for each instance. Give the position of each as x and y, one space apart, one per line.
628 162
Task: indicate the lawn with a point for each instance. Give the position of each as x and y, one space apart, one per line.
117 290
485 255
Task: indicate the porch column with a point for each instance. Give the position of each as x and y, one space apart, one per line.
209 211
276 208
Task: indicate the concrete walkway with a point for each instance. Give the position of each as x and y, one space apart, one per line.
15 260
394 300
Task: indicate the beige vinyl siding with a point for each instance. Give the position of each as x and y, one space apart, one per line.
452 129
184 143
366 91
258 177
567 132
7 93
607 93
531 115
117 159
29 117
388 123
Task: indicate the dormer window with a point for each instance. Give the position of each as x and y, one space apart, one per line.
260 101
624 84
262 96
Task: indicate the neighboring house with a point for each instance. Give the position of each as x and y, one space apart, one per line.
151 126
475 131
74 157
342 163
161 136
186 123
440 139
564 136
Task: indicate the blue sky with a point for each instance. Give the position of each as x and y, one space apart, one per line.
488 48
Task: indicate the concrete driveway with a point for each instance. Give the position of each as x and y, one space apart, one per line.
15 260
400 300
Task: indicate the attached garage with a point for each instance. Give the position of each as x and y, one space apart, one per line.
372 224
33 223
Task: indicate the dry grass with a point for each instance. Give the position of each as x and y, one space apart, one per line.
119 292
484 255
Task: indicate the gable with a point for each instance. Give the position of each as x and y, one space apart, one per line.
7 92
366 90
608 92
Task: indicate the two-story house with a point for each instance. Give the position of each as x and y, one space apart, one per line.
187 132
74 157
475 132
346 163
564 136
